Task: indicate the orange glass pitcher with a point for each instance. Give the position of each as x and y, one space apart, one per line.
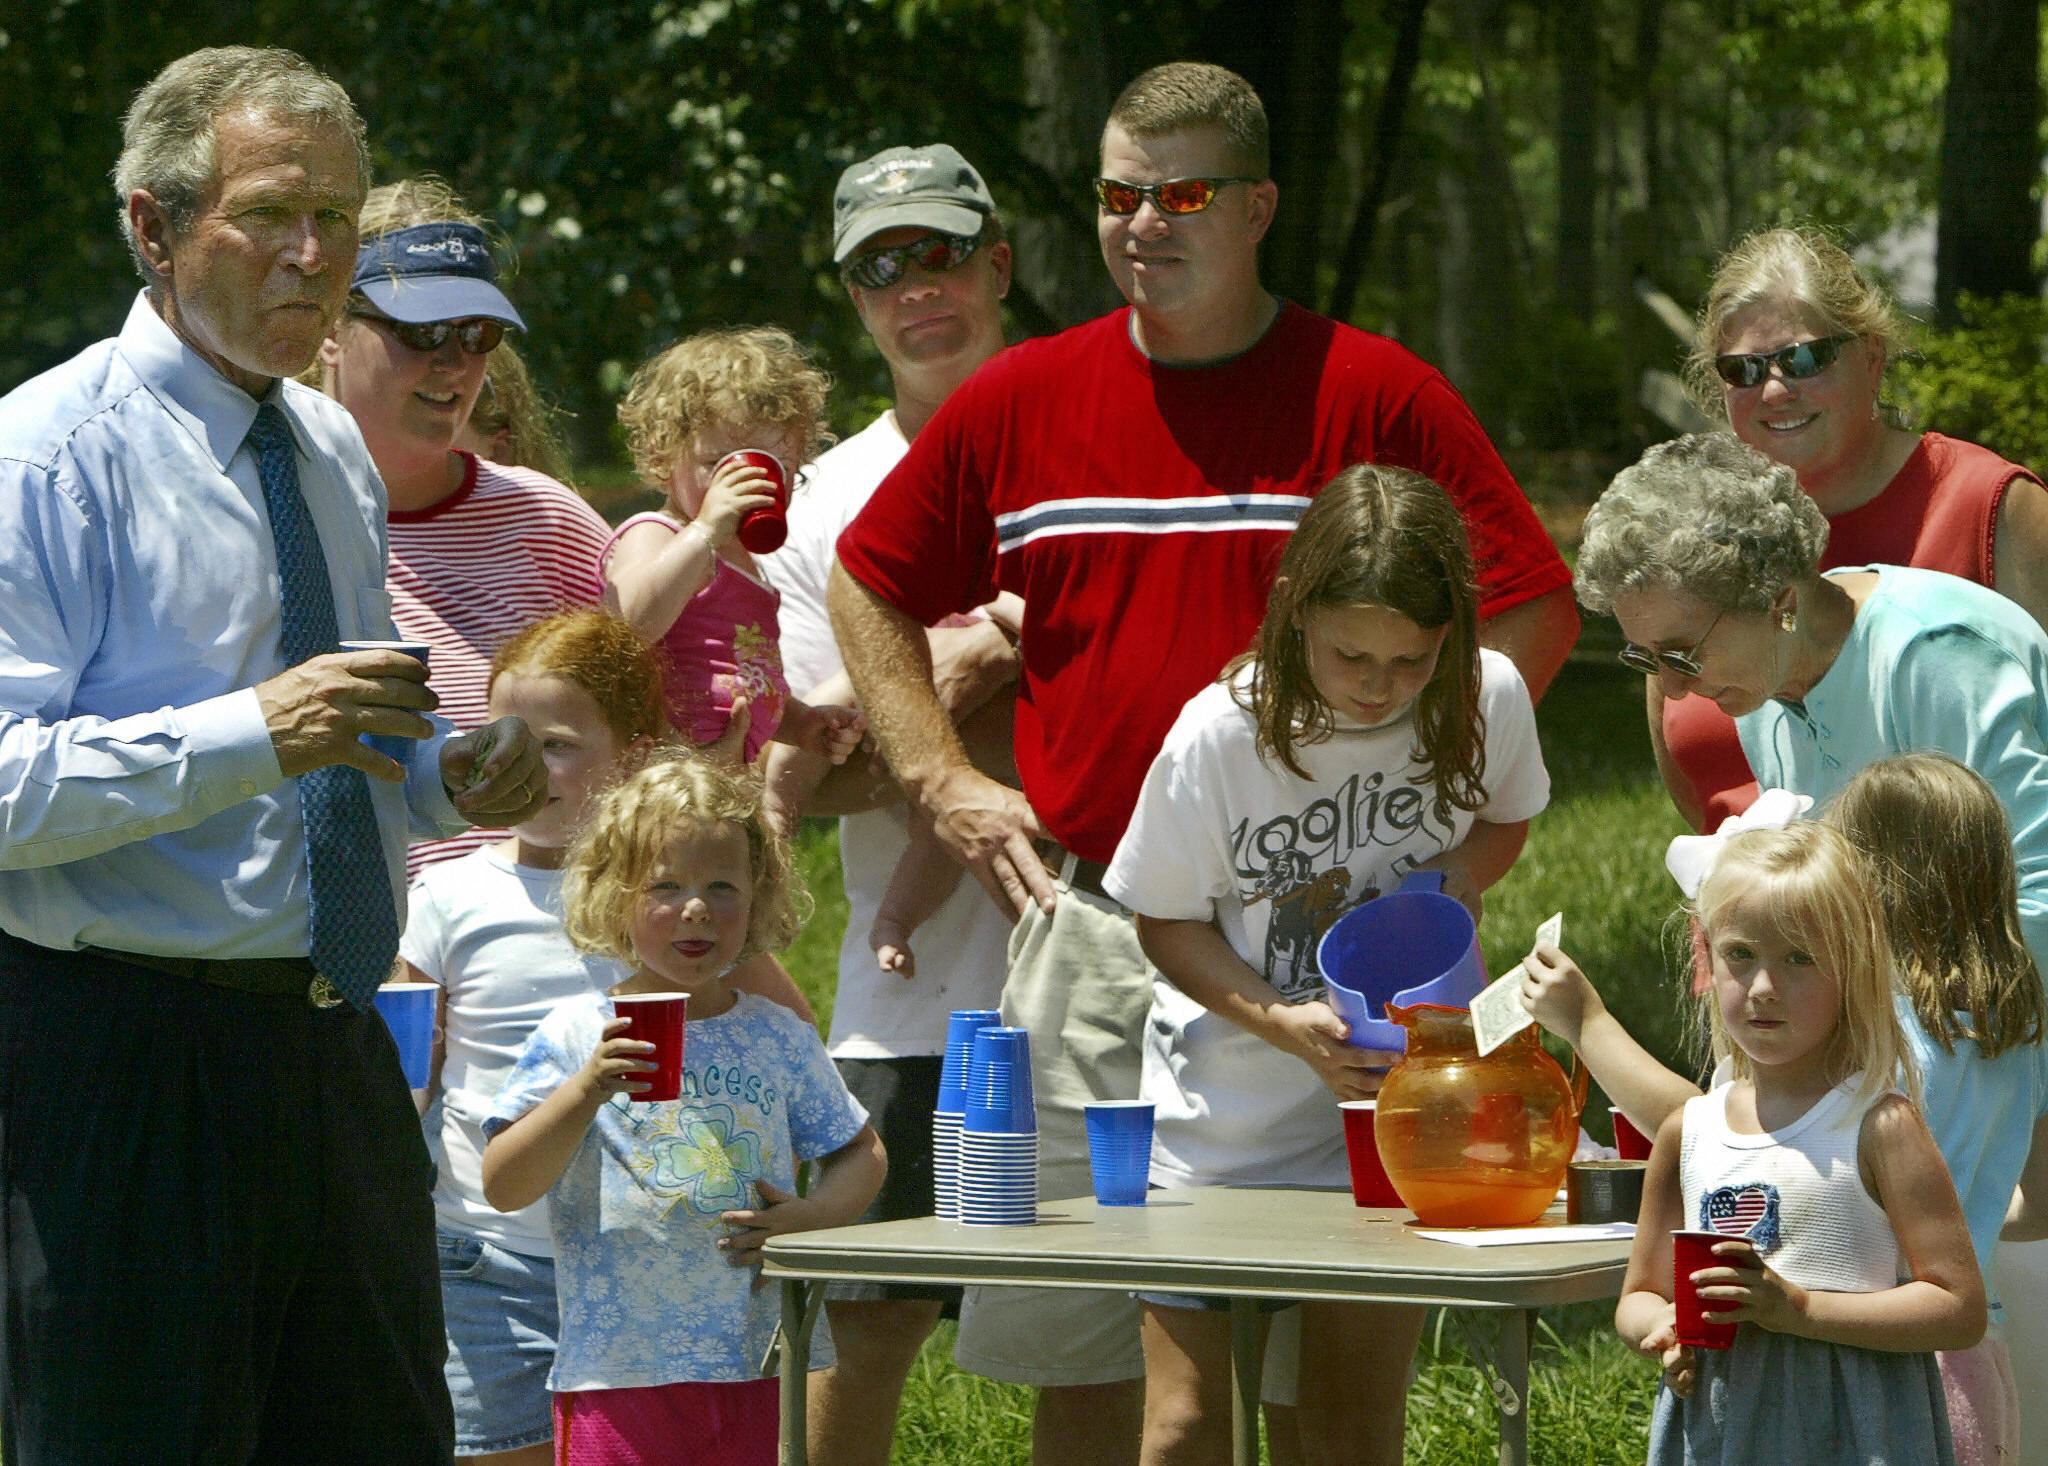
1471 1141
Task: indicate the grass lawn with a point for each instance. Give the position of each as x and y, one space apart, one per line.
1597 855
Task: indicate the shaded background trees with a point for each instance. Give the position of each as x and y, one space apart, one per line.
1490 180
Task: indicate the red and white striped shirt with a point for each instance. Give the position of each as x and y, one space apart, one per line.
507 548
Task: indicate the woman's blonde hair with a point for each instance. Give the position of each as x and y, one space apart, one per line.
607 869
1799 268
425 198
1939 848
514 422
1382 537
750 376
1819 893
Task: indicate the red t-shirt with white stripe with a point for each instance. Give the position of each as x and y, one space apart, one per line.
507 548
1140 508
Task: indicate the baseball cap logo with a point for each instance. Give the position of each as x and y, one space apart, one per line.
894 176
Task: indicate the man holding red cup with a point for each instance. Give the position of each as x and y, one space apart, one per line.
1134 480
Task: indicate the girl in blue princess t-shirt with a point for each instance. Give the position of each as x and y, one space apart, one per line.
659 1210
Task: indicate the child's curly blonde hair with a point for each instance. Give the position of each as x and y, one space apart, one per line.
607 869
749 376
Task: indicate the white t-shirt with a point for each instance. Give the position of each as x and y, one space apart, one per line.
961 950
1221 835
490 932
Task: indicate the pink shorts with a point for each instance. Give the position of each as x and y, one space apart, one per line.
1983 1403
729 1422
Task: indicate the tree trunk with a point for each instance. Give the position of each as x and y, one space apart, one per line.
1059 268
1650 123
1478 299
1387 132
1990 153
1292 53
1575 50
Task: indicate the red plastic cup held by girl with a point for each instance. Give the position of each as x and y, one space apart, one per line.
657 1018
1693 1252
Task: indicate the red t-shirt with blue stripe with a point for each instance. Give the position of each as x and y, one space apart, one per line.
1139 509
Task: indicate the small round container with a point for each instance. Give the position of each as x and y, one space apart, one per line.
1603 1191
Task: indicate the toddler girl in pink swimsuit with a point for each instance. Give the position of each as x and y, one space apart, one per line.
679 576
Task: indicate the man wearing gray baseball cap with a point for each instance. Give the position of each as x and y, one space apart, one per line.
924 262
932 188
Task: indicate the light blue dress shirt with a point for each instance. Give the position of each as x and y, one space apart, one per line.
1932 663
141 803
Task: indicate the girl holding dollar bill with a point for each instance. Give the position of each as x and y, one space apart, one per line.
1365 735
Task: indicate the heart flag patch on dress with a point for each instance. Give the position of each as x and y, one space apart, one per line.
1743 1211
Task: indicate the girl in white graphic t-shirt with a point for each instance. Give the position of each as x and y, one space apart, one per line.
1367 735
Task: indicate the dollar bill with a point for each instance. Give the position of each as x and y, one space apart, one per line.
486 743
1497 1013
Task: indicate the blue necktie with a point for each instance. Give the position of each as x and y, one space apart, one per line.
355 929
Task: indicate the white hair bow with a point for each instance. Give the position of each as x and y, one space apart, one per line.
1691 857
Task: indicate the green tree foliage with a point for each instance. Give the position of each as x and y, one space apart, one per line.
1987 379
657 166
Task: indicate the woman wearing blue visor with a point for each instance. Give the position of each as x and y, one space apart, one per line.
479 550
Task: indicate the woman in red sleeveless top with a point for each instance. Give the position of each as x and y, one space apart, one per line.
1792 345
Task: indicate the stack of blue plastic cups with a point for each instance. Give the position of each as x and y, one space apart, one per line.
960 1031
998 1181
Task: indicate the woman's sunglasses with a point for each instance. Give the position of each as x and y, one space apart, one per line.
1685 663
1175 196
934 254
1795 363
478 336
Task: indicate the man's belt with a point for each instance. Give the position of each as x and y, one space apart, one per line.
1081 875
291 977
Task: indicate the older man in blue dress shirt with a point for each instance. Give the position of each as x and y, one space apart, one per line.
218 1239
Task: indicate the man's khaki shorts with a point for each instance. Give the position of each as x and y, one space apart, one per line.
1079 982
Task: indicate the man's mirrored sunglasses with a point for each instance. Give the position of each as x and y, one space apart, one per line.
1795 363
934 254
478 336
1174 196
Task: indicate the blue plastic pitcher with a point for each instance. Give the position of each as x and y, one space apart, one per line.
1412 945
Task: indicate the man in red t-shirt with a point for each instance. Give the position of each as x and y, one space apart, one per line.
1134 480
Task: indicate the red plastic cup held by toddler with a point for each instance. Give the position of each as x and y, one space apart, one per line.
762 531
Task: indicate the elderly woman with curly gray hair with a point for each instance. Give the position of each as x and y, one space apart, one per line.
1709 554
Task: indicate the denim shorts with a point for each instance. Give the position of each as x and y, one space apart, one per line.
502 1326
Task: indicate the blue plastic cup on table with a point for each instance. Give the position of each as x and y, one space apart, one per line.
391 745
408 1009
961 1027
999 1098
1120 1150
1412 945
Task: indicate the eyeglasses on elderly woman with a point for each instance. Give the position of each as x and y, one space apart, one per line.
1650 661
1794 363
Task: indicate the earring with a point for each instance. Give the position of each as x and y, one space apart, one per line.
1788 620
